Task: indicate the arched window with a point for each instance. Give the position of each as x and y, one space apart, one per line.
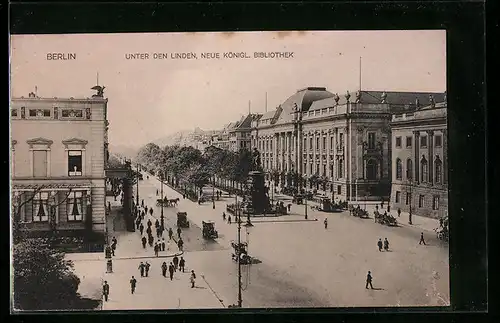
409 169
371 169
424 170
439 170
399 169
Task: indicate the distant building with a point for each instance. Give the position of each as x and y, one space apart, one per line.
420 160
240 133
336 144
58 156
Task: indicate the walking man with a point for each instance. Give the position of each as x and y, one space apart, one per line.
142 203
141 268
379 244
386 244
143 242
224 216
326 223
141 228
146 209
399 212
147 268
170 233
164 269
162 244
421 239
157 224
156 249
151 211
105 291
156 192
369 280
229 219
182 264
133 283
171 271
179 231
192 279
149 223
176 262
180 244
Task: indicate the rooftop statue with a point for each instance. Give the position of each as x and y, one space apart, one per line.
99 89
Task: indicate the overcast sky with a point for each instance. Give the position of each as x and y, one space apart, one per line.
152 98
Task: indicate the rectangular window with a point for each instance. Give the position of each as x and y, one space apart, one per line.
39 112
438 141
305 144
305 168
341 139
371 140
13 112
75 163
317 169
310 169
398 142
423 142
435 203
324 170
40 163
408 198
317 143
40 207
339 189
331 143
74 206
270 144
398 196
310 143
324 143
421 201
408 142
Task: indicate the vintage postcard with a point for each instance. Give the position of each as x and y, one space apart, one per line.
229 169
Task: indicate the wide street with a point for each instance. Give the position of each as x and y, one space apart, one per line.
302 264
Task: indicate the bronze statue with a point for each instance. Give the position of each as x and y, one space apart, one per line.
99 89
256 159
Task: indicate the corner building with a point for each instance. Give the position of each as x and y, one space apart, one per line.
343 139
58 155
420 159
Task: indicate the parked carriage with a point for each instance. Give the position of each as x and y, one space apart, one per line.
182 221
209 231
359 212
386 219
241 252
326 205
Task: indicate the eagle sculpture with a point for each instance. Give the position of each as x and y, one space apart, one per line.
99 89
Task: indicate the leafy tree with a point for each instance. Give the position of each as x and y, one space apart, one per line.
114 162
43 279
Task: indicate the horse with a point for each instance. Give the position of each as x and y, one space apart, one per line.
173 202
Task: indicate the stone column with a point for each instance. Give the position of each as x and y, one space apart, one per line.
288 136
430 146
346 152
328 152
416 163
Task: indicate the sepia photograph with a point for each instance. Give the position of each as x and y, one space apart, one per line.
213 170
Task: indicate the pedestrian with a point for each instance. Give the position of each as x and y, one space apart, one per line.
158 230
149 223
369 280
148 230
382 204
224 216
389 208
170 233
157 224
379 244
138 222
289 206
109 206
114 242
179 231
376 208
147 268
141 268
399 212
156 192
105 291
386 244
171 271
162 244
162 222
164 269
180 244
182 264
192 279
146 209
150 240
176 262
151 211
133 283
326 223
156 249
421 239
143 214
142 203
141 228
229 219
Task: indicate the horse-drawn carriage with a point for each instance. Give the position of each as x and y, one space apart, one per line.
182 221
384 218
167 202
209 231
241 252
298 199
357 211
326 205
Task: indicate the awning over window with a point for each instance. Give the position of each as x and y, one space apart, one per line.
51 187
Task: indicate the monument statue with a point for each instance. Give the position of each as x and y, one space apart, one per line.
256 160
99 89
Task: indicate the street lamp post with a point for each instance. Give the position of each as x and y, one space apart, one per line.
411 195
213 193
305 207
161 189
137 193
240 301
